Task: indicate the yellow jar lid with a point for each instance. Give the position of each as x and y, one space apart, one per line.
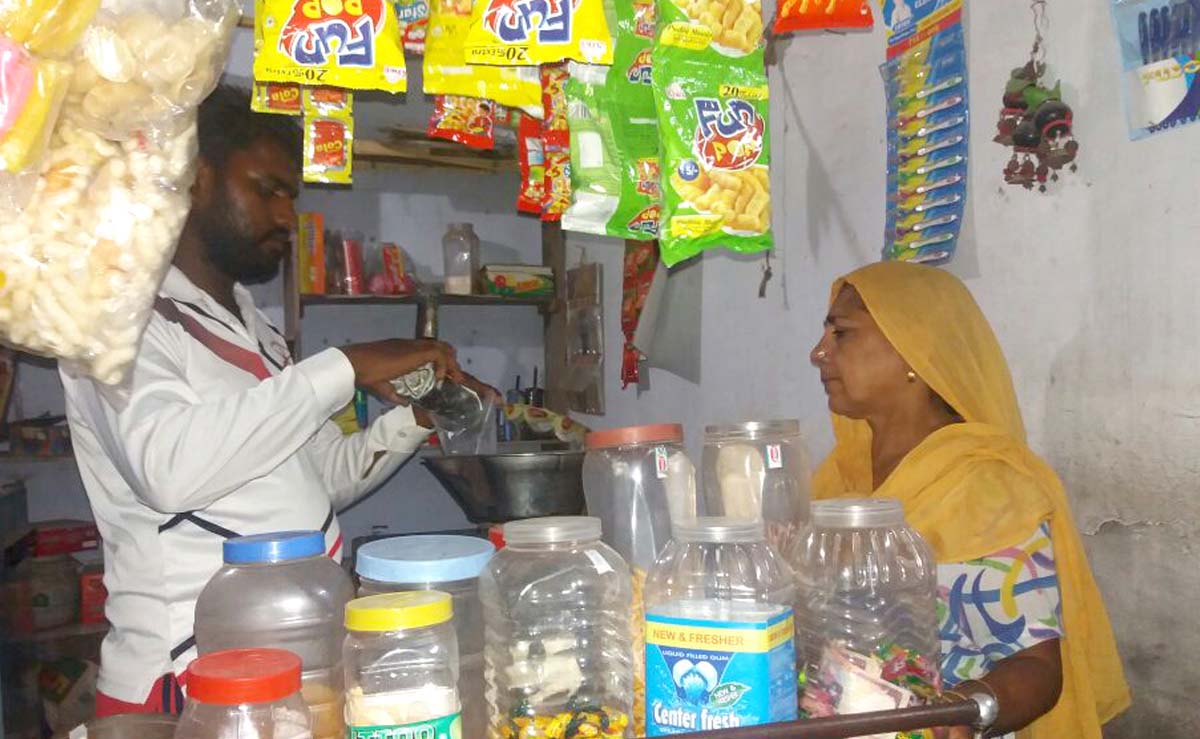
396 611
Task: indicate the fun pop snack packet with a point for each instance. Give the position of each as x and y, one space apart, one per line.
733 28
715 155
524 32
328 135
354 44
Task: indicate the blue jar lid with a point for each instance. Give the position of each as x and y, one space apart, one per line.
278 546
423 559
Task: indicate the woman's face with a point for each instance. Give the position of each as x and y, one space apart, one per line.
862 374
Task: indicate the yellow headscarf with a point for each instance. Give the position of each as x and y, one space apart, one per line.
974 488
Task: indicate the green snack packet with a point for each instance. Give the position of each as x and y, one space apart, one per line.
731 28
595 172
716 154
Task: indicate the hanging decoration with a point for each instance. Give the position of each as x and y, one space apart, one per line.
1034 120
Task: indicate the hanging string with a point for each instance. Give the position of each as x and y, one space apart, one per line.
1040 24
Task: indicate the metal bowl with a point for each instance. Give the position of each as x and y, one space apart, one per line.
496 488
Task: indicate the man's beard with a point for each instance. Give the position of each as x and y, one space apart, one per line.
232 249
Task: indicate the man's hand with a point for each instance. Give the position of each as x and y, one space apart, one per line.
378 362
485 391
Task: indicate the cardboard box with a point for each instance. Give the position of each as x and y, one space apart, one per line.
92 595
63 536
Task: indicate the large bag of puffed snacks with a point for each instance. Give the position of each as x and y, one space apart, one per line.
87 234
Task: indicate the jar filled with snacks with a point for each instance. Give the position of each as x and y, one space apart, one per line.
401 666
637 479
866 609
557 602
244 694
758 470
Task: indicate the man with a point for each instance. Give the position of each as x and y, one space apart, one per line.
216 433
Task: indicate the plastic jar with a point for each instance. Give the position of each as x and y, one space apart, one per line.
866 589
450 564
460 258
401 667
758 469
244 694
54 591
280 590
719 632
556 603
636 479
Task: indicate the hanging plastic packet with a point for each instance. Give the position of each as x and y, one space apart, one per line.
817 15
48 28
1159 42
556 143
282 98
446 71
328 135
925 80
413 17
468 121
732 28
353 44
31 93
715 155
525 32
532 163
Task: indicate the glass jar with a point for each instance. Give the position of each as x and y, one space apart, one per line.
637 480
401 667
719 632
758 470
280 590
460 256
450 564
556 604
244 694
866 607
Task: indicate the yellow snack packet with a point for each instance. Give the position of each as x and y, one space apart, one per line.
328 135
328 101
347 43
281 98
447 72
524 32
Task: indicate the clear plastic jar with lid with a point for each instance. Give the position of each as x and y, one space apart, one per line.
280 590
460 257
867 597
719 632
244 694
401 667
637 479
450 564
556 603
758 469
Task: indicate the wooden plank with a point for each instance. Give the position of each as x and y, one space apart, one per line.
554 256
427 154
442 299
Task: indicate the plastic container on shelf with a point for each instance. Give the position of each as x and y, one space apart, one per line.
758 469
866 607
54 591
637 479
460 258
450 564
244 694
719 633
401 667
280 590
556 604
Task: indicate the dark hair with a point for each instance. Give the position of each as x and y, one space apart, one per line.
226 124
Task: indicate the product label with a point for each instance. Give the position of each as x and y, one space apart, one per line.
774 457
660 462
446 727
704 675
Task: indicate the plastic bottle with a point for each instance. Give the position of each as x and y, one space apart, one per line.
460 255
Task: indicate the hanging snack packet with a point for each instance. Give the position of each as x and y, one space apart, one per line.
413 17
328 135
329 101
31 93
715 156
532 162
733 28
354 44
469 121
282 98
556 143
817 15
446 71
524 32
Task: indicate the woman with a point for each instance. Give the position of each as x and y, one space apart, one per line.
924 411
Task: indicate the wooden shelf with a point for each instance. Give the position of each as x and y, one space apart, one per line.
441 299
34 459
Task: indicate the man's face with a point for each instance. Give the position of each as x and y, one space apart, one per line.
247 223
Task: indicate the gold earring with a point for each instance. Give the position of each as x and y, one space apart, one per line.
912 376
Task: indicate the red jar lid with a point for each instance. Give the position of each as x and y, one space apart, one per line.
650 434
235 676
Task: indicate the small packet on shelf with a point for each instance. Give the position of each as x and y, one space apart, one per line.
817 15
282 98
468 121
522 33
328 135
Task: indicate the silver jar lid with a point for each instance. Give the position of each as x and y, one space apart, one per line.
754 429
857 513
719 530
552 530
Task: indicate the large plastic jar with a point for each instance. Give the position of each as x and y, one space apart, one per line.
867 596
280 590
401 665
719 632
758 469
556 603
450 564
460 258
244 694
636 479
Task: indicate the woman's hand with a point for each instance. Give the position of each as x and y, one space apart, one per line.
1026 685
